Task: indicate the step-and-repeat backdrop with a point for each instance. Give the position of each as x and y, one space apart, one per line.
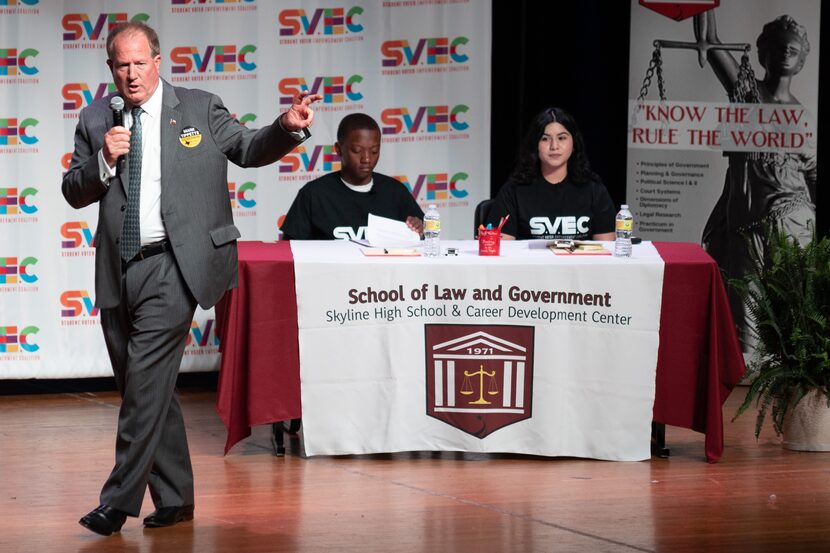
421 68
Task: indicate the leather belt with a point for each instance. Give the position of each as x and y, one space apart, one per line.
152 249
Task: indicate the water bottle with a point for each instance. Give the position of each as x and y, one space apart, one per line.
432 232
625 228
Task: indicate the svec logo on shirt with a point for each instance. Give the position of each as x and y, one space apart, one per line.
542 226
348 233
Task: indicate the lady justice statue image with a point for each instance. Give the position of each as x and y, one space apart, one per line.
761 188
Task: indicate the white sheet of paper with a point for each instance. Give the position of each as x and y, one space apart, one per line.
382 232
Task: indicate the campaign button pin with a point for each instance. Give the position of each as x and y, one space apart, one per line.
190 137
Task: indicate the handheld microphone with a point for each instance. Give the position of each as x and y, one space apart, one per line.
117 107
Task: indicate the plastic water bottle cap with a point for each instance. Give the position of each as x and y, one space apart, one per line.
624 206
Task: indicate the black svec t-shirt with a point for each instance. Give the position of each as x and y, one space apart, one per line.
327 209
543 210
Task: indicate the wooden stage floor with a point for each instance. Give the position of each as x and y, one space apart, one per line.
56 449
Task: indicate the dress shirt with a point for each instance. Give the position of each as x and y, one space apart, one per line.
152 224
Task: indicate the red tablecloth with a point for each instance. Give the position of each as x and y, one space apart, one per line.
259 376
699 360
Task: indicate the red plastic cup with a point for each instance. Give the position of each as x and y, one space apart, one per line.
489 241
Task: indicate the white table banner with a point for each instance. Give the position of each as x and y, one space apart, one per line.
528 352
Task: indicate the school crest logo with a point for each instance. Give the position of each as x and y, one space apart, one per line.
479 377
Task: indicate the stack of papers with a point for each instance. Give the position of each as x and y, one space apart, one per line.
382 232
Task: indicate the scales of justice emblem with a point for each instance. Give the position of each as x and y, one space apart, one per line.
479 377
492 388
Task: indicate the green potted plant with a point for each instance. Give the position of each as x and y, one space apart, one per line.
788 300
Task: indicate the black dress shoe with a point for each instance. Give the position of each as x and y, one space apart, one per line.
168 516
104 520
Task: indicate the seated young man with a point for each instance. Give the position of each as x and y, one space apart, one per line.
337 205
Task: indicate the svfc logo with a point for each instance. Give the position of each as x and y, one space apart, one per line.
479 377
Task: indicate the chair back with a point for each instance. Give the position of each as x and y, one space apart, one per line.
480 214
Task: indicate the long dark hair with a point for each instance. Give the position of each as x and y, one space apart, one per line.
528 166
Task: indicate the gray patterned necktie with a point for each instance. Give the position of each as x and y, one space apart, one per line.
131 231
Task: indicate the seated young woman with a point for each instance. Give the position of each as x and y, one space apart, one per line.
552 192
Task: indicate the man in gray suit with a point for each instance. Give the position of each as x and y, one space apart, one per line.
165 242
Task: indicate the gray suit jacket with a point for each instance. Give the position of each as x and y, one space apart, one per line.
195 204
